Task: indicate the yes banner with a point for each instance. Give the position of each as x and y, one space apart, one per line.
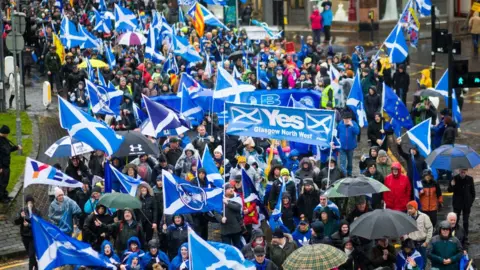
302 125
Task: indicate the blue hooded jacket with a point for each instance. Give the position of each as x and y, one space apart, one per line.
401 263
348 135
300 237
177 261
161 256
113 258
288 162
128 252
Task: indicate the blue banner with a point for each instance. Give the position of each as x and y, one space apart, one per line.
302 125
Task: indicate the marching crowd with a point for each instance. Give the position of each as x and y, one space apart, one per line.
147 239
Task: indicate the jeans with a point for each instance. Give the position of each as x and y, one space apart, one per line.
475 38
402 94
317 35
346 157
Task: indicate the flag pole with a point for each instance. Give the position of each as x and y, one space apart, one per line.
224 153
331 151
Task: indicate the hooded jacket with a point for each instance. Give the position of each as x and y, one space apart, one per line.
307 201
300 237
316 20
149 204
441 248
92 233
426 81
330 226
370 159
247 250
319 236
112 258
184 163
419 162
348 135
309 172
122 231
431 195
61 214
373 102
148 260
177 261
400 190
288 161
176 235
128 253
338 236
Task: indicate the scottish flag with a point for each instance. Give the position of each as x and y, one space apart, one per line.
270 32
395 108
185 50
102 24
54 248
102 5
420 137
150 50
165 120
117 181
227 86
275 220
396 45
101 79
236 74
181 197
139 115
215 255
213 176
216 2
104 100
250 193
355 101
208 66
181 17
208 16
96 102
125 19
442 87
417 183
85 128
90 70
69 35
112 61
165 29
189 108
424 7
59 4
91 42
292 102
194 88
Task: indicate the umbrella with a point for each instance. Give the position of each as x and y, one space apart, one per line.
132 38
383 223
135 143
355 186
239 54
67 147
429 92
318 256
95 64
453 156
120 201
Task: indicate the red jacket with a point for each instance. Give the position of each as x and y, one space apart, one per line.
316 20
399 194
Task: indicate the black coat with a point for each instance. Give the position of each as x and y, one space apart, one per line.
463 192
149 209
401 80
26 231
79 172
274 83
419 162
175 237
234 218
6 148
92 234
231 144
449 135
173 155
374 133
307 202
372 104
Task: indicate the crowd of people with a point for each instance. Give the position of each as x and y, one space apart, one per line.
146 238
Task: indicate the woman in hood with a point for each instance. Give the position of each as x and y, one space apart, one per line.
154 256
223 164
338 236
176 234
426 81
249 148
384 163
134 248
330 225
130 170
107 253
184 163
180 262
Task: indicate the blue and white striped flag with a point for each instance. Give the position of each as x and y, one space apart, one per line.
117 181
275 220
213 176
442 87
355 101
396 45
420 137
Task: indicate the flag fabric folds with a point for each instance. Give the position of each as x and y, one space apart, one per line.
420 137
54 248
125 19
424 7
442 87
201 16
37 172
227 85
355 101
181 197
417 183
150 48
275 220
185 50
213 176
59 48
164 119
395 108
112 61
396 45
87 129
117 181
188 107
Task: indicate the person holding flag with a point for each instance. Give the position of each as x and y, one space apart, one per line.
24 220
231 222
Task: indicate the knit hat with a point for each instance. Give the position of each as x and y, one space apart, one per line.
308 181
238 178
318 227
58 192
241 159
29 198
97 189
278 233
5 130
413 204
382 153
218 150
228 185
284 172
259 251
249 141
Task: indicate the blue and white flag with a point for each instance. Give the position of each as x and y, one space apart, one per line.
181 17
166 29
424 7
181 197
236 74
104 100
59 5
185 50
101 79
396 45
355 101
85 128
215 255
189 108
442 87
395 108
90 70
216 2
186 2
275 220
270 32
37 172
208 66
194 88
140 115
250 193
69 35
54 248
114 178
420 137
125 19
102 24
292 102
91 42
417 183
227 85
112 61
150 47
208 17
102 5
165 119
213 176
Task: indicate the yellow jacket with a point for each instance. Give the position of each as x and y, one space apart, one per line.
426 80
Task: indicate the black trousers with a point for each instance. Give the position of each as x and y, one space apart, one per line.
147 228
466 215
232 239
433 217
328 35
30 248
4 178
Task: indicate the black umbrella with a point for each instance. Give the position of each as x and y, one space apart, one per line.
356 186
383 223
239 54
136 143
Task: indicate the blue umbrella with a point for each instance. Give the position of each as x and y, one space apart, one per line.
453 156
67 147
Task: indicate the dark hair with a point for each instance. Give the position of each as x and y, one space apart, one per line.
448 120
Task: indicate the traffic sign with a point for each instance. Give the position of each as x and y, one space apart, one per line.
19 22
460 73
473 79
15 42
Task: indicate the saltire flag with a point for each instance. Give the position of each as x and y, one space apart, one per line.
201 16
228 86
181 17
417 183
334 79
396 45
55 249
112 61
60 50
194 88
214 255
213 176
275 220
181 197
269 31
91 42
186 2
102 5
355 101
87 129
102 24
90 70
151 51
117 181
236 74
105 100
101 79
139 114
125 19
188 107
69 34
156 20
262 75
166 29
442 87
420 137
59 4
165 120
185 50
250 193
394 107
298 104
424 7
208 66
37 172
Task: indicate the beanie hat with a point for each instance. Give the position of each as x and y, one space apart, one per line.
278 233
218 150
284 172
5 130
318 227
382 153
413 204
249 141
241 159
97 189
29 198
58 192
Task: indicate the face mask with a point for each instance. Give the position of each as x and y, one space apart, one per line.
348 251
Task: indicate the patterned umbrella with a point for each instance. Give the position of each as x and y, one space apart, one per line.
318 256
450 157
131 39
67 147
